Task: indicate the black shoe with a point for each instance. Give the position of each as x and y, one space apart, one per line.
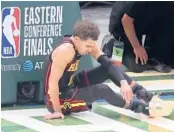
139 106
142 93
158 66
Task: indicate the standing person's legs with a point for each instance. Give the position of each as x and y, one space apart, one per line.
160 39
170 61
160 46
164 46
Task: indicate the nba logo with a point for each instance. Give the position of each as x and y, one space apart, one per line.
10 47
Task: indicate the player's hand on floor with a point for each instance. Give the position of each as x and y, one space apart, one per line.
126 91
55 115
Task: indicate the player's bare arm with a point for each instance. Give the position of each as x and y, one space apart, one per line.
61 57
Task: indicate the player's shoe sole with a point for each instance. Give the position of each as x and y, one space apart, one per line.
159 107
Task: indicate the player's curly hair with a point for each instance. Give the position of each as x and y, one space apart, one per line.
86 29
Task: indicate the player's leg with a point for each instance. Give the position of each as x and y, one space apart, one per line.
99 74
102 91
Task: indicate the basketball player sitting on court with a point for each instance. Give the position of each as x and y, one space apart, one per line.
67 92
